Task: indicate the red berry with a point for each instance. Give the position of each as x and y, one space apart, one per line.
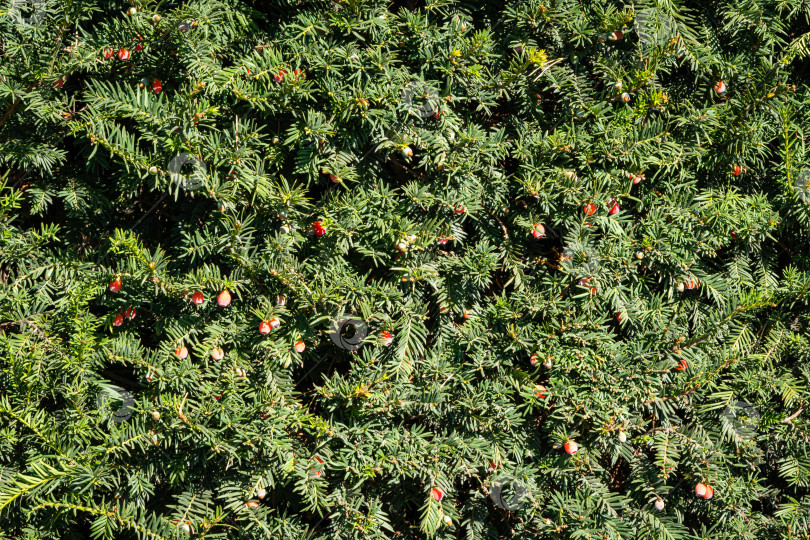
709 493
589 209
619 317
720 87
300 346
197 298
217 354
437 493
682 365
571 447
538 230
119 320
129 313
157 86
700 489
123 54
387 338
278 77
181 351
540 391
459 209
317 473
264 327
736 170
533 360
108 53
224 298
274 322
115 285
614 209
252 504
138 47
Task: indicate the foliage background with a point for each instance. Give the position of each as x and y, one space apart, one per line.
511 111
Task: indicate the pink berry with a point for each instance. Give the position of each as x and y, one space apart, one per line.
224 299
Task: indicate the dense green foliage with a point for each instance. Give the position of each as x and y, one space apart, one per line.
427 168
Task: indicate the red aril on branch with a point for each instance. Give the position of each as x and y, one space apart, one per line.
700 489
217 354
181 351
197 298
317 473
123 54
720 87
119 320
264 327
300 346
614 209
387 337
224 298
437 493
115 285
589 209
571 448
538 230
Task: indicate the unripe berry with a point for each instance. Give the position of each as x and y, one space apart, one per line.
659 504
217 354
260 493
155 415
622 437
407 152
700 489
